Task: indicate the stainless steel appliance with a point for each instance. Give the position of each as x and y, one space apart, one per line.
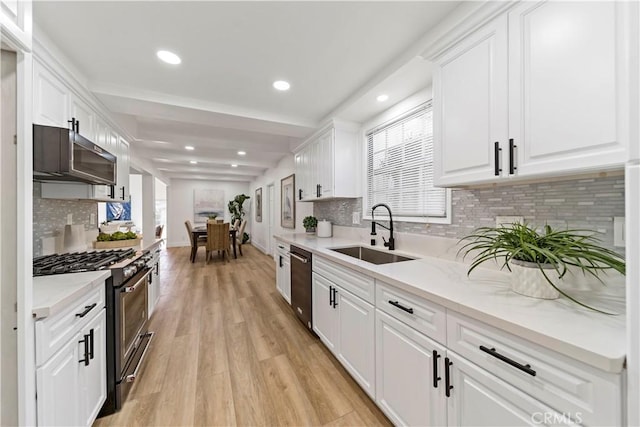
64 155
301 284
126 310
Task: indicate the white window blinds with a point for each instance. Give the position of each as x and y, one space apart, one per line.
400 166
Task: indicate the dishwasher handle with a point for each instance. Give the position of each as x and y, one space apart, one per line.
299 258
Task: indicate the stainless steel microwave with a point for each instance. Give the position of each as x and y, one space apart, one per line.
64 155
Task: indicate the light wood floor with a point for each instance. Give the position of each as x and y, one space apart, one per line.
228 350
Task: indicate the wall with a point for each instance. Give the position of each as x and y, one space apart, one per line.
50 216
575 203
135 190
180 205
260 237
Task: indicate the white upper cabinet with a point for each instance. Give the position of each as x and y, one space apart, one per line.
566 85
470 107
85 118
124 161
51 98
539 91
15 22
328 164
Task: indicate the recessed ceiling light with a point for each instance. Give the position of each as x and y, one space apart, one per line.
281 85
382 98
234 166
169 57
189 147
242 153
193 162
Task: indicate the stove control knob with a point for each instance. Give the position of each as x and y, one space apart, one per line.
129 271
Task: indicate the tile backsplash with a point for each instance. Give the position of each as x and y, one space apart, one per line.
575 203
50 216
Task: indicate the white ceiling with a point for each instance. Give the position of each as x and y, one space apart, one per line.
336 55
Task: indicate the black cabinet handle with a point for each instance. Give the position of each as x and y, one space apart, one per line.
330 296
300 194
112 191
512 166
401 307
319 190
279 262
86 350
91 344
335 300
122 193
525 368
87 309
436 378
158 268
496 158
78 127
447 377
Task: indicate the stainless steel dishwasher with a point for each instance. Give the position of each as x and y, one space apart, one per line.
301 284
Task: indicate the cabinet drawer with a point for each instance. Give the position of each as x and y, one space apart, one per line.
591 396
422 315
282 250
354 282
52 333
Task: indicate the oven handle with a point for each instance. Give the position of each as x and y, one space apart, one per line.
132 377
129 289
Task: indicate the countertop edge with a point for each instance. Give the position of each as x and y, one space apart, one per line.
73 294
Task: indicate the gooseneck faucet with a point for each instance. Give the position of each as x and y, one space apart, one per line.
391 244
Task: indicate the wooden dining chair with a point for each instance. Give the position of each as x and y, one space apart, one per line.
217 240
195 244
239 235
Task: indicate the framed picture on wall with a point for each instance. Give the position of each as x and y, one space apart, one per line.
259 204
288 202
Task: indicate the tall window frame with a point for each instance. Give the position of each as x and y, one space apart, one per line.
398 169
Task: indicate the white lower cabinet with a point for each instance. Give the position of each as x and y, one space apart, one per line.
479 398
283 272
409 376
71 384
345 323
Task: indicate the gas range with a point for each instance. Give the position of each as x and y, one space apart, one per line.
123 263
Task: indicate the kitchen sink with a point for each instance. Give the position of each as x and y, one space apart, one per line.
369 255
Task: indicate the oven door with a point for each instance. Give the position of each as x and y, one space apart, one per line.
133 314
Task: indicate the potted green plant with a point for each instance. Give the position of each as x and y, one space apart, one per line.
235 207
212 218
310 223
539 261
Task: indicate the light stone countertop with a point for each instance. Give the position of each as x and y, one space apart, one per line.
52 294
596 339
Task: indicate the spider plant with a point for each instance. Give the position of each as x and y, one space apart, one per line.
559 249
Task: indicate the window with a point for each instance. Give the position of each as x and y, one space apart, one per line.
400 168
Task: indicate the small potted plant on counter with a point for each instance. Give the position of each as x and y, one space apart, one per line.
539 261
310 223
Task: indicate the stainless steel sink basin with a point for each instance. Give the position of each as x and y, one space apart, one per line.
369 255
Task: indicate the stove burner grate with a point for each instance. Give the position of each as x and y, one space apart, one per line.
79 261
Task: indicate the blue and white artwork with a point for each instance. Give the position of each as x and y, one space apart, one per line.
118 211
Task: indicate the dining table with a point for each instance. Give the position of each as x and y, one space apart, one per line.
201 230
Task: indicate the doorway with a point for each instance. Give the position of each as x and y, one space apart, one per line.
272 219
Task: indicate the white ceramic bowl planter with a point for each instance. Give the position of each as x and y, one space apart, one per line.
528 280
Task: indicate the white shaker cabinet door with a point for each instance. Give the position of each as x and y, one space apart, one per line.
567 85
478 398
85 118
470 108
405 374
58 385
93 377
50 98
325 318
356 335
325 164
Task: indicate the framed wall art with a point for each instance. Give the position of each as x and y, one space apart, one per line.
288 202
259 204
206 204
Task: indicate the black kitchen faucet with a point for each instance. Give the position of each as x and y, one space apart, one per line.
391 244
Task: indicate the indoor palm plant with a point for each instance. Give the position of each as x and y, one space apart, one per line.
539 261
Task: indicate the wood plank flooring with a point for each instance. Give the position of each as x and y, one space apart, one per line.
228 351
